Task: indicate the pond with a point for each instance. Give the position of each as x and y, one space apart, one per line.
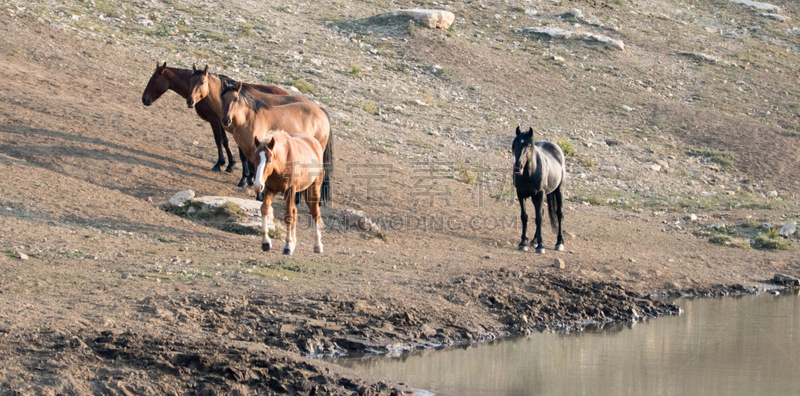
722 346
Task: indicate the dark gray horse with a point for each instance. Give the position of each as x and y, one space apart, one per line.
539 172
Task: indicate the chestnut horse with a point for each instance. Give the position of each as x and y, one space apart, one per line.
169 78
286 164
303 116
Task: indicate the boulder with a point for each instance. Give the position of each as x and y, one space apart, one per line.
249 206
574 34
181 197
788 229
433 19
559 263
760 6
786 280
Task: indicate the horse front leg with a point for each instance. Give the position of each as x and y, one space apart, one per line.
219 138
290 219
538 203
523 216
245 169
266 214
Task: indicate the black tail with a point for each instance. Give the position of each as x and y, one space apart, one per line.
327 166
553 205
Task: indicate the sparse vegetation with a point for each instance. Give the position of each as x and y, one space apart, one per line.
355 71
245 30
771 240
566 146
303 86
724 159
465 174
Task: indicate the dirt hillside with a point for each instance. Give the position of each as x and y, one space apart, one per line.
681 169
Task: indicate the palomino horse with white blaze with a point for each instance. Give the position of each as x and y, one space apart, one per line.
179 80
539 172
293 114
288 164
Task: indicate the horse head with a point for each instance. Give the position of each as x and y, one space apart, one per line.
231 95
263 160
157 85
524 150
199 86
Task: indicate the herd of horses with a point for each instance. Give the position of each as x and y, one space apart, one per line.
286 146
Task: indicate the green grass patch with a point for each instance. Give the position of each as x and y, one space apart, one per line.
724 159
234 227
355 71
771 240
566 146
244 30
466 174
792 133
303 86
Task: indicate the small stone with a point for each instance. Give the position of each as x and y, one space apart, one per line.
576 13
559 263
655 167
126 276
632 260
627 108
286 278
772 194
692 217
196 143
22 256
786 280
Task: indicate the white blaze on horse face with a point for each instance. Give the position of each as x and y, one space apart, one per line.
259 182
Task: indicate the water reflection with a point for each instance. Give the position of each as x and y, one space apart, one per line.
731 346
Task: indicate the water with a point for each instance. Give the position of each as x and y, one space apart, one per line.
731 346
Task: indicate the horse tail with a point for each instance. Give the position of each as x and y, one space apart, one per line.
327 164
553 205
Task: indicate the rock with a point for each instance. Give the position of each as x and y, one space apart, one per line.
627 108
786 280
22 256
181 197
788 229
760 6
655 167
567 34
357 219
558 58
433 19
794 31
772 194
530 12
126 276
576 13
692 217
777 17
559 263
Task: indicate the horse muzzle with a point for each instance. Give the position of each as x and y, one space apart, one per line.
147 102
258 188
190 103
227 121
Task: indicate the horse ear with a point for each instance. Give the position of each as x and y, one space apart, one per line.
238 86
256 142
194 67
530 131
162 67
518 130
206 70
271 144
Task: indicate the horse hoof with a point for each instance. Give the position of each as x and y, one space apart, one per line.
317 249
229 169
560 248
266 246
540 250
260 197
523 248
250 182
216 169
287 252
240 184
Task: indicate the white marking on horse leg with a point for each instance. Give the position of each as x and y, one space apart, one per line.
317 229
266 242
289 248
258 185
560 247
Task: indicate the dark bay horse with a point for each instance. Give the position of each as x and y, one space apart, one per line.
288 164
302 116
178 80
539 172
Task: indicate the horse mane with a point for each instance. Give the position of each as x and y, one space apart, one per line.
254 104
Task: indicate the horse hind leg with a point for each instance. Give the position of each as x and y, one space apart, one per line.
226 145
558 202
538 203
523 243
313 201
